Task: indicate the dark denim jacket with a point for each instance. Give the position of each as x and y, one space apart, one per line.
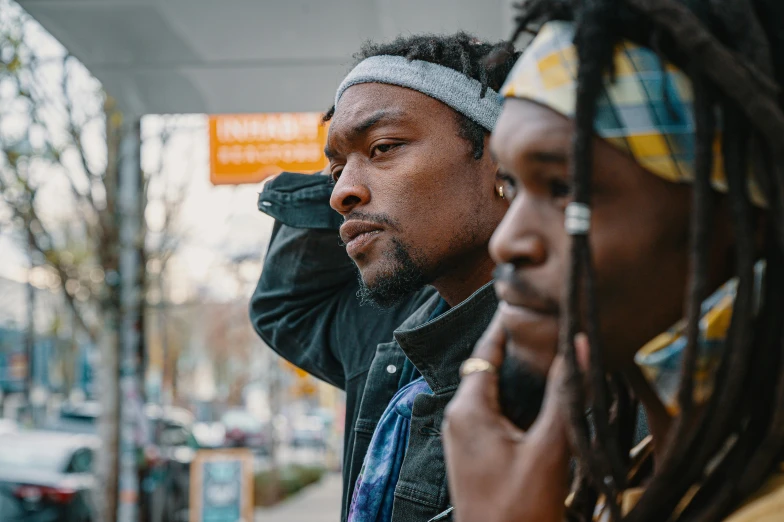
305 308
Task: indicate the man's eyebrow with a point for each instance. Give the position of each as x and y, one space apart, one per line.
380 116
549 156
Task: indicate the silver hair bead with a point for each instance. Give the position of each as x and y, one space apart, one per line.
577 219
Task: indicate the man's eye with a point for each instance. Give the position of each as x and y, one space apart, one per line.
559 189
382 148
336 175
509 185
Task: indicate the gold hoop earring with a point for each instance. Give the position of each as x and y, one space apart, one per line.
501 191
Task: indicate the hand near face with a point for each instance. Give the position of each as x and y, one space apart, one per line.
497 472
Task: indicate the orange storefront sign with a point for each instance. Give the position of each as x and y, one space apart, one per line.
248 148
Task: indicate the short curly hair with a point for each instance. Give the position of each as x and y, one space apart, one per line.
459 51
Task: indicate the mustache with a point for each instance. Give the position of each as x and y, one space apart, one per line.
508 274
378 219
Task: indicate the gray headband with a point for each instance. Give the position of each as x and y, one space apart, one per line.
442 83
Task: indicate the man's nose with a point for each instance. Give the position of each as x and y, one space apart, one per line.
518 240
349 192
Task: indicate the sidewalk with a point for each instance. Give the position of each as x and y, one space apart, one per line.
317 503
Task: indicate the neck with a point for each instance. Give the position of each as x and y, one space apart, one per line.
660 422
457 284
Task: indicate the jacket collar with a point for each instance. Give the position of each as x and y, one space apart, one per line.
438 347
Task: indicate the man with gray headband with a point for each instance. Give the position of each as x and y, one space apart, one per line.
419 199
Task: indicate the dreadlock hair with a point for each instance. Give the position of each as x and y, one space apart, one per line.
733 52
461 52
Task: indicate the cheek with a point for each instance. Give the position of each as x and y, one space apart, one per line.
435 194
640 281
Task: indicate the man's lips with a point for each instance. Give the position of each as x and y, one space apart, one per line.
355 234
532 336
530 318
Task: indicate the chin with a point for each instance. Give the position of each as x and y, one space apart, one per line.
386 286
521 391
369 274
372 264
537 359
377 268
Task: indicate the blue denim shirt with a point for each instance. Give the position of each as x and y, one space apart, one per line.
305 308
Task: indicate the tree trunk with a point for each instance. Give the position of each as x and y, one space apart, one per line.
30 335
109 364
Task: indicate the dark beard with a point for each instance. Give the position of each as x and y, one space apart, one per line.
521 392
407 277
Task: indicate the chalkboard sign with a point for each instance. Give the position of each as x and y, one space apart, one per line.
222 486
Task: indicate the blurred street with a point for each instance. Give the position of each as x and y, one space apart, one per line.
291 456
317 503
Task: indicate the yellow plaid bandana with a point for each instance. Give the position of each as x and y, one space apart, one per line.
661 358
646 110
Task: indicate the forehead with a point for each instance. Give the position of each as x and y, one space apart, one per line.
524 125
361 102
527 131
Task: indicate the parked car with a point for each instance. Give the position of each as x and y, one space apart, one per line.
80 417
165 461
173 429
170 428
244 430
47 477
309 432
209 434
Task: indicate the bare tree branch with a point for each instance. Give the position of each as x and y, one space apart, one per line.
62 119
44 247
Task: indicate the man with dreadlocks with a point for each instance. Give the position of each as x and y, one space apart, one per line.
419 199
641 142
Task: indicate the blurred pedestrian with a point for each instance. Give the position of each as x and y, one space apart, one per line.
641 148
419 198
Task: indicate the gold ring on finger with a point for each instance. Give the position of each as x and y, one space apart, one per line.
476 365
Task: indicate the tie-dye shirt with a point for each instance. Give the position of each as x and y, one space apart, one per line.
374 493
